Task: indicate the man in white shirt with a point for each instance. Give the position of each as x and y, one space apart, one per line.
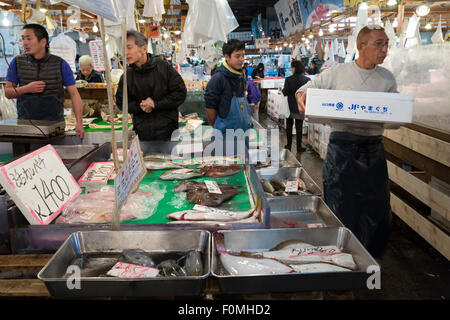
355 179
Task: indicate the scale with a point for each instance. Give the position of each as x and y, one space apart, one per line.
30 128
23 133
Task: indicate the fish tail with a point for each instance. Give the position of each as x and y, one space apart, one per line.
220 242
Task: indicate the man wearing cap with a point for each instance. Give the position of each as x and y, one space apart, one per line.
355 179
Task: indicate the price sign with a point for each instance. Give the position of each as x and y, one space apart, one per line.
213 187
98 172
291 186
130 175
40 185
96 50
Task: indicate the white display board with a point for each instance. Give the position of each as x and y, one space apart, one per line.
40 185
130 175
96 50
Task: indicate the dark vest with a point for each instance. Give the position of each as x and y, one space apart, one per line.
49 104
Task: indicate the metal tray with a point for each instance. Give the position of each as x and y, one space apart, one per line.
257 240
299 212
286 173
274 159
109 242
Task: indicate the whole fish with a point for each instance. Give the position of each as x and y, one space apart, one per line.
216 170
267 186
310 254
160 164
240 265
194 185
181 174
210 160
162 156
278 183
138 257
205 198
193 265
210 214
317 267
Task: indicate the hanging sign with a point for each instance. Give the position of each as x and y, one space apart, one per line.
262 43
289 16
40 185
96 50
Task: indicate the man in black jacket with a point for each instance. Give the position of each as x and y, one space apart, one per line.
155 91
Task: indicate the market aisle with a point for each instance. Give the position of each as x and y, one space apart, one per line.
411 268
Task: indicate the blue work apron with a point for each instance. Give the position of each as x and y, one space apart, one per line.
239 116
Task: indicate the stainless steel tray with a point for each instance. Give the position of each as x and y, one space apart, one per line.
109 242
284 158
300 212
286 173
257 240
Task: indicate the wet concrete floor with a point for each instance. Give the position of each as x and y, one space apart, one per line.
410 268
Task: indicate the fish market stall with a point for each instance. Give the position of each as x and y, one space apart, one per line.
244 205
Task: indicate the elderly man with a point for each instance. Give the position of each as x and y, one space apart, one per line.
155 91
37 80
87 71
356 185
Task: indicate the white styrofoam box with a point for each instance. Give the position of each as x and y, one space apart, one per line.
323 150
271 83
324 105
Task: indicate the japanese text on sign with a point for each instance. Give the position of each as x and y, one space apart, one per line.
40 185
96 50
130 175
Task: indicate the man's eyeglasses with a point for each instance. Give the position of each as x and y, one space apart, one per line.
379 44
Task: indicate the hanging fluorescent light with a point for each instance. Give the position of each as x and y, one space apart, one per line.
320 33
311 36
290 45
285 44
395 23
332 28
306 41
5 20
43 10
73 21
422 10
141 20
276 48
392 3
428 26
95 28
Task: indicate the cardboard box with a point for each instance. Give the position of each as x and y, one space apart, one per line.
390 108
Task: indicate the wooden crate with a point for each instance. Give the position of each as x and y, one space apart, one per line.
427 150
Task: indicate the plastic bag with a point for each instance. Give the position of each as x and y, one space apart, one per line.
283 110
154 9
8 109
64 47
98 206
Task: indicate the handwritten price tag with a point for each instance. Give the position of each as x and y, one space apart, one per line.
96 173
130 175
96 50
213 187
292 186
40 185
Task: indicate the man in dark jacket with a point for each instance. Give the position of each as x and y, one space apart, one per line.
291 85
226 106
155 91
